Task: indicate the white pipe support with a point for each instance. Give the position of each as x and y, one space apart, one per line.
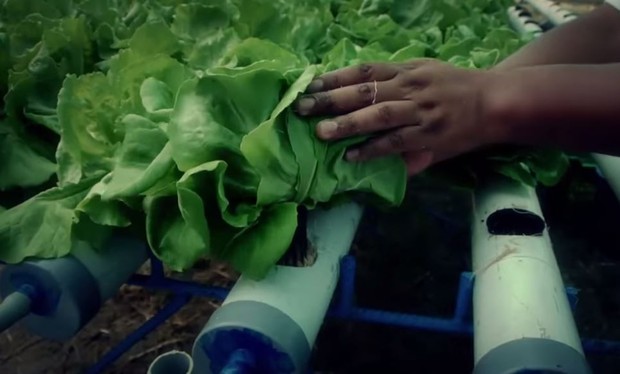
279 317
552 11
522 317
522 22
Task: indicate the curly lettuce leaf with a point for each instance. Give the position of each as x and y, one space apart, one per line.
295 165
91 109
213 113
201 220
179 113
43 225
21 166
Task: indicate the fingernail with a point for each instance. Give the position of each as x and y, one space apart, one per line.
353 155
327 129
305 105
315 85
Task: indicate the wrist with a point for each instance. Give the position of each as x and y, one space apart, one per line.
501 106
568 106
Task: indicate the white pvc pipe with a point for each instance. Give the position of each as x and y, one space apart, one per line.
610 167
173 362
304 293
518 290
73 287
522 23
113 265
552 11
282 313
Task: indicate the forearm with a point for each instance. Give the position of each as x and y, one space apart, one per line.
573 107
593 38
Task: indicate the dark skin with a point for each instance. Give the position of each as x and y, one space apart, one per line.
563 90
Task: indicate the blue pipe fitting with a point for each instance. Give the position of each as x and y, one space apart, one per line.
67 292
240 361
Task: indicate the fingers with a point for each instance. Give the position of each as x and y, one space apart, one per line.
418 161
395 141
406 139
353 75
419 62
346 99
383 116
363 73
352 88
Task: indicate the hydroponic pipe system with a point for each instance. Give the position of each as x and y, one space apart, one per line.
527 323
522 316
552 11
521 20
270 325
56 298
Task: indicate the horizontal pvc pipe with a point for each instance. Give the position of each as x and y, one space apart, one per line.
463 306
599 346
412 321
178 286
345 308
345 300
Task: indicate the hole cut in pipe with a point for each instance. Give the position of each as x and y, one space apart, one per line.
302 252
515 222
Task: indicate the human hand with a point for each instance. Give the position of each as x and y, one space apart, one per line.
425 110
